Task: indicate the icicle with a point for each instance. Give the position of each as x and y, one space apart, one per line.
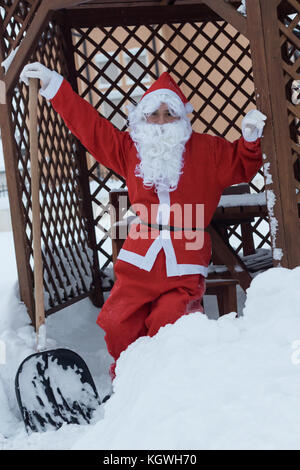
271 198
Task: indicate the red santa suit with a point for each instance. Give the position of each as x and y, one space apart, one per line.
157 277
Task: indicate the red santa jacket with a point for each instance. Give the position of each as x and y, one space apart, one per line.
210 165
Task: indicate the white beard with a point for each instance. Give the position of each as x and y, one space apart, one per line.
160 149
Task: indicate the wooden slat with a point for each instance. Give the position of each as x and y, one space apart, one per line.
293 3
294 109
58 4
229 14
240 214
28 44
96 294
9 14
289 34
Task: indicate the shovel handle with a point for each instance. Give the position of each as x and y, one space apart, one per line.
35 199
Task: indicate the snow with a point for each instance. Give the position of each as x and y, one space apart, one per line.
7 62
268 175
2 166
243 8
271 200
220 384
234 200
231 383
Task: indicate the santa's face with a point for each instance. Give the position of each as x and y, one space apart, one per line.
160 140
162 116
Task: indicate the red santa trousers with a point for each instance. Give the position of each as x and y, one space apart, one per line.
141 302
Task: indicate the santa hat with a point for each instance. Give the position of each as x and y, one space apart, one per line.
166 85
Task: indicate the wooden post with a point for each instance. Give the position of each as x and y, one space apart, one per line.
35 200
263 34
290 223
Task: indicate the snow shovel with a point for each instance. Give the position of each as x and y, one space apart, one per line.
52 387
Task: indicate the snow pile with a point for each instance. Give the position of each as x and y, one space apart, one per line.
206 384
251 199
199 384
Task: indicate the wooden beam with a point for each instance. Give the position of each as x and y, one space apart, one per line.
229 14
28 44
60 4
103 15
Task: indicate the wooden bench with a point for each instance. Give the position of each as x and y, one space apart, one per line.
225 291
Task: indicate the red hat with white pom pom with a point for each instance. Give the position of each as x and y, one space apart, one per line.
166 85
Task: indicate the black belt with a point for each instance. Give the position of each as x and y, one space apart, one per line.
161 227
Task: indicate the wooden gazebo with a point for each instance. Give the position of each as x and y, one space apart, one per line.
110 51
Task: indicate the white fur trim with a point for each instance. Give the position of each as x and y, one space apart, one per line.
189 108
143 262
161 91
54 85
163 212
173 268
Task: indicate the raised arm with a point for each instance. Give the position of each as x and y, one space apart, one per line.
239 161
107 144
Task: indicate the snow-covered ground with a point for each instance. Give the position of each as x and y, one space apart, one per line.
199 384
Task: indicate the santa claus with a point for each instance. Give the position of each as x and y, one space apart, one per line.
175 178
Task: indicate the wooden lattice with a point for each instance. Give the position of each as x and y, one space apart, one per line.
16 17
211 62
71 269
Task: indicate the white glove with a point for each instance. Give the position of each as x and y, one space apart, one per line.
252 125
50 80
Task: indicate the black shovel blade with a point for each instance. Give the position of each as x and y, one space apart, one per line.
53 388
